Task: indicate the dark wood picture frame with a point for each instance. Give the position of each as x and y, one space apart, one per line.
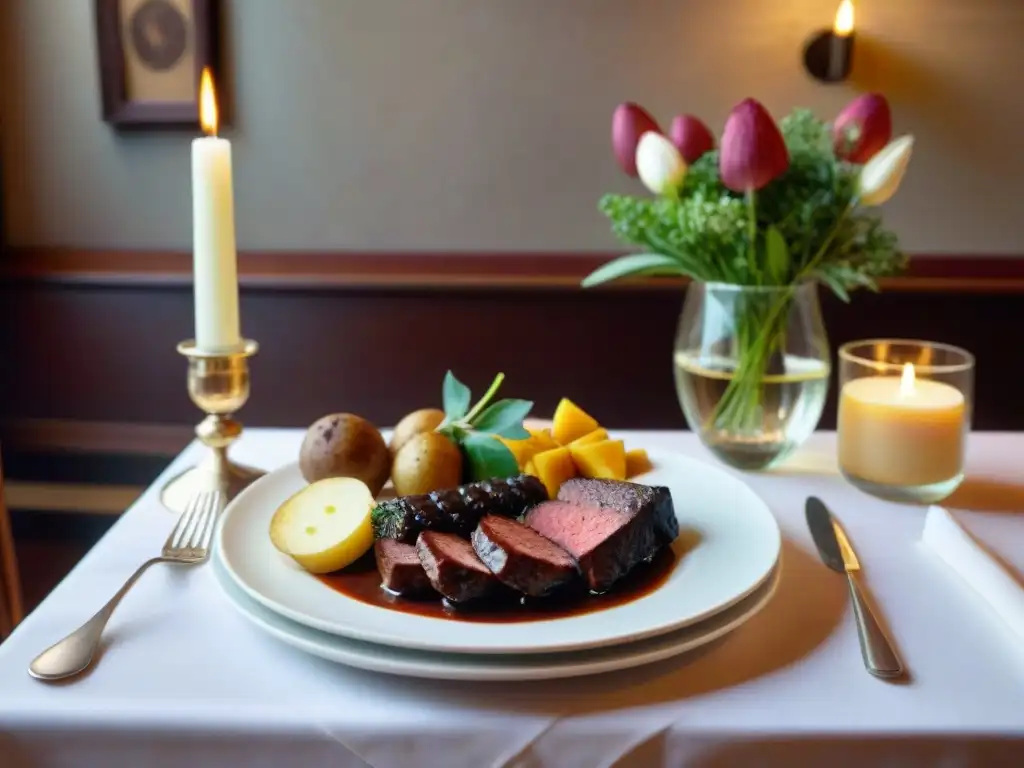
119 109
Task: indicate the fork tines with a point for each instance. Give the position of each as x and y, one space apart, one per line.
194 530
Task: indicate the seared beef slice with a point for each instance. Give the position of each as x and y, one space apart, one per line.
654 502
609 526
522 558
453 568
400 569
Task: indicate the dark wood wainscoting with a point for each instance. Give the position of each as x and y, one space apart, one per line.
91 337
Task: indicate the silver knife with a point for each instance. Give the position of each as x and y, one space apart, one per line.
834 547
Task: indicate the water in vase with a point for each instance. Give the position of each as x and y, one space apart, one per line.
791 403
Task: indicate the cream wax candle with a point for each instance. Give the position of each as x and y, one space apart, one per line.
901 430
213 233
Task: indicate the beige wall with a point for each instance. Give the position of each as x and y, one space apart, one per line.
483 124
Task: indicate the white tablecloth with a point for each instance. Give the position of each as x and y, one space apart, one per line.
185 680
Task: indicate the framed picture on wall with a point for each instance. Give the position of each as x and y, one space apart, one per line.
151 55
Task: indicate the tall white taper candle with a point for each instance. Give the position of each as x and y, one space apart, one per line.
215 266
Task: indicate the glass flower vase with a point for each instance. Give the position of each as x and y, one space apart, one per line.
752 369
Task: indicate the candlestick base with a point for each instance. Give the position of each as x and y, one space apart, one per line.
931 493
828 57
218 383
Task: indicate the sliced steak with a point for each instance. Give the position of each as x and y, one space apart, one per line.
609 526
653 502
453 568
401 571
521 558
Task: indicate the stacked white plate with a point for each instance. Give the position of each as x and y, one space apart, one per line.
725 571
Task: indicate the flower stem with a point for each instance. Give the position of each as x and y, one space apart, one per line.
752 229
810 265
757 334
483 401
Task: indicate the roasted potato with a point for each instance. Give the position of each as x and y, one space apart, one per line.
423 420
345 445
427 462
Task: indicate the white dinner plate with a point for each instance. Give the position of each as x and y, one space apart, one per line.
728 545
476 667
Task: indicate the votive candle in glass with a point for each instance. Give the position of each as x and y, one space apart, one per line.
904 415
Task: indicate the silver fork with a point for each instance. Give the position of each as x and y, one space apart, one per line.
188 544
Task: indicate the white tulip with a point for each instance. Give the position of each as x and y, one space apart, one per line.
658 164
881 175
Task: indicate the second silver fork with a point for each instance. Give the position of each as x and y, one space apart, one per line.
188 544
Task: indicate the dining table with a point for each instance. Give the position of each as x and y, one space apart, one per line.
184 680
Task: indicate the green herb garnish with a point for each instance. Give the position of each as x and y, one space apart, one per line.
476 430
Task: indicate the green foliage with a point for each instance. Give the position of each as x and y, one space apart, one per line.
476 430
455 396
488 457
807 224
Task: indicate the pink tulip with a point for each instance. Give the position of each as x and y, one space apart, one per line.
753 152
691 137
863 128
629 123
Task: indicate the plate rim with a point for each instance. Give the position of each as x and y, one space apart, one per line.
489 667
412 643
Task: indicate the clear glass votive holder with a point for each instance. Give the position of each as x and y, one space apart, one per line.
904 413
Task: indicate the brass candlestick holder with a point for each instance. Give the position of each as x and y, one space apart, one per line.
218 383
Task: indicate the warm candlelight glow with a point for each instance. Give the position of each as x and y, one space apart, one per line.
844 19
907 380
207 104
901 432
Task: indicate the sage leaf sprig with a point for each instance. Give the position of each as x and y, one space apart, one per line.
475 430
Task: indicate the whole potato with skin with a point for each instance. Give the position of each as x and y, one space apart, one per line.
427 462
345 445
423 420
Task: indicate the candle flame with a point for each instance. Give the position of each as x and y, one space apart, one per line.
907 380
844 19
207 103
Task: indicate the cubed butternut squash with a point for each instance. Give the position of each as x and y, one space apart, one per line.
520 449
606 459
637 462
591 437
542 439
571 422
553 468
526 449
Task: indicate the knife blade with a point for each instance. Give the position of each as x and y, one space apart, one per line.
833 545
837 553
819 520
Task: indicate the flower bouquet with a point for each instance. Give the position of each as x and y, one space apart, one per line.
773 209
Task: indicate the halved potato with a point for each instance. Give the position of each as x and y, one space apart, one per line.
325 526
